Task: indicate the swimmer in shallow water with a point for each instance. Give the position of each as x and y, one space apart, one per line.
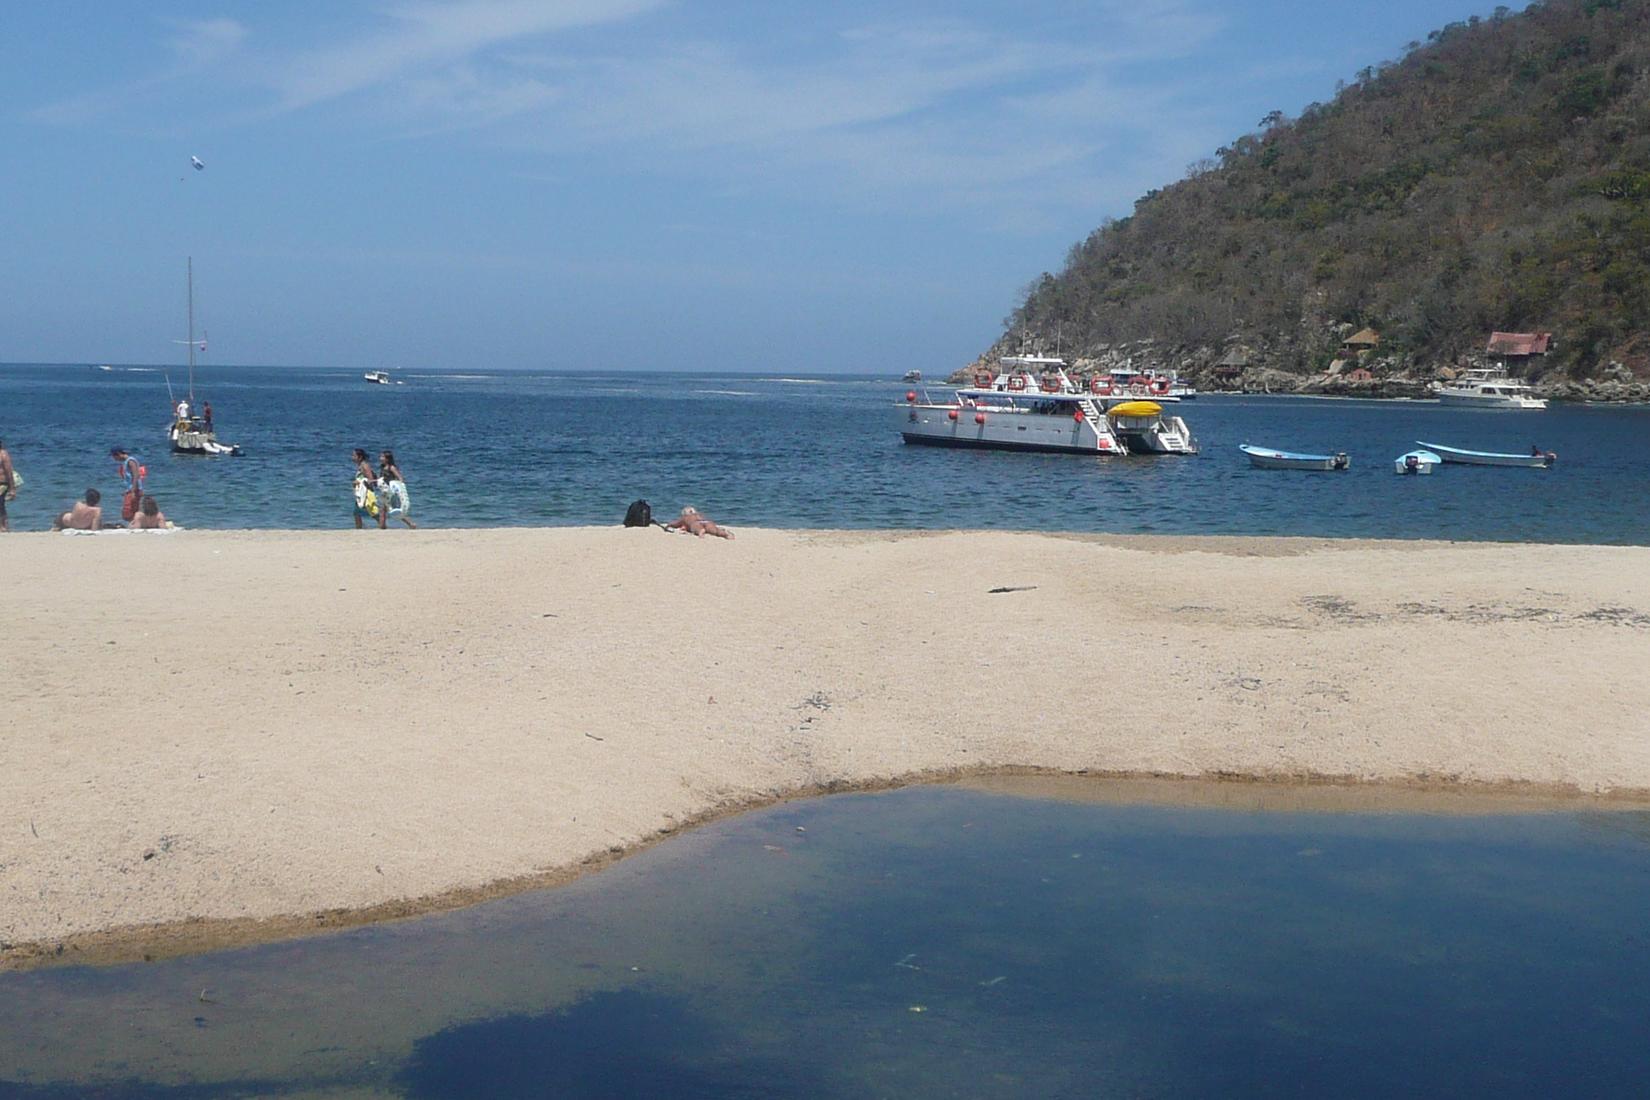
696 524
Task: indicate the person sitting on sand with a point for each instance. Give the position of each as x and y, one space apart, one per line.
84 516
149 516
692 522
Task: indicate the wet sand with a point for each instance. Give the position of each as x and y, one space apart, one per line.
217 737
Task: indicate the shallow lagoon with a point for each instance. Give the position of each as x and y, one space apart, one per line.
935 941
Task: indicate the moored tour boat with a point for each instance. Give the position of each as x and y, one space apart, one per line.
1157 385
1536 459
1268 459
1033 405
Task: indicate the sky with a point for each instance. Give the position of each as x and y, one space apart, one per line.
608 184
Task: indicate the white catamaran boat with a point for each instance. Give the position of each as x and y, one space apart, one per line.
191 433
1487 388
1033 405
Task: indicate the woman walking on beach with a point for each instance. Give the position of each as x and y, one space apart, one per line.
366 500
396 498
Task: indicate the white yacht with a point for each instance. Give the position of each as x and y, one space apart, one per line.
1032 404
378 377
1487 388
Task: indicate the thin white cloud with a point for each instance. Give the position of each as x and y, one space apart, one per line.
204 41
425 35
960 114
195 45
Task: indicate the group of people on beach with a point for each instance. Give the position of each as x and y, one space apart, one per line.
381 493
139 510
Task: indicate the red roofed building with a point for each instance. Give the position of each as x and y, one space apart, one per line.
1518 347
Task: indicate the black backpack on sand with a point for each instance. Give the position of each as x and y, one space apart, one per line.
639 514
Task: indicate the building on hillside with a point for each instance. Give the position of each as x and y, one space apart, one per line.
1360 343
1518 349
1359 374
1232 364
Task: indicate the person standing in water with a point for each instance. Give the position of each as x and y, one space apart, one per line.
366 500
131 477
8 484
397 501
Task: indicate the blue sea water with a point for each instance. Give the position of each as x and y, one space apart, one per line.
926 943
487 448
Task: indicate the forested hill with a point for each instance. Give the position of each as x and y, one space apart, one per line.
1497 177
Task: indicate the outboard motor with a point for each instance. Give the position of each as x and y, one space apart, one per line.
1341 462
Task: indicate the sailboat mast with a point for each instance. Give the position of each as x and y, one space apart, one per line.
191 331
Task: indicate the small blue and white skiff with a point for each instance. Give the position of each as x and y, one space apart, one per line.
1267 459
1415 462
1537 459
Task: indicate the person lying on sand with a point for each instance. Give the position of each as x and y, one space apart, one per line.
691 521
84 516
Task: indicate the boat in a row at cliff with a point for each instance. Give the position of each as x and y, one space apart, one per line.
1268 459
1536 459
1033 405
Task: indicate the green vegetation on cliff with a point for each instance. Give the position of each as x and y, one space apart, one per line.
1497 177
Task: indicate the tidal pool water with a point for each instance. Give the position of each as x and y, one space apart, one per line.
934 942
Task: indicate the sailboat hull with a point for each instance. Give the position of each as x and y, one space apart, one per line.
192 441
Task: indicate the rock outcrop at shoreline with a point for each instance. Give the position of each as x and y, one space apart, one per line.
1271 366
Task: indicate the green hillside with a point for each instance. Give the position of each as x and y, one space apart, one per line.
1496 177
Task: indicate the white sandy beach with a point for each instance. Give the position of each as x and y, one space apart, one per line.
260 727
